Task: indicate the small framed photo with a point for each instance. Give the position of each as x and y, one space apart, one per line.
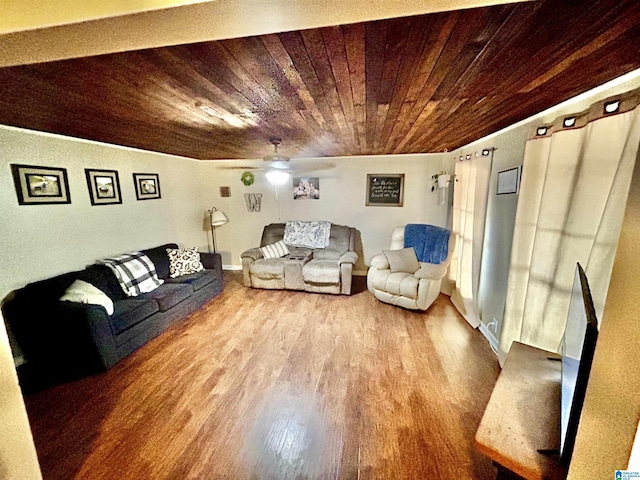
104 186
225 192
508 181
385 190
147 185
306 188
40 185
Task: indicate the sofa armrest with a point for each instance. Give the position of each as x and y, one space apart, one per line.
380 262
93 338
348 257
431 271
211 261
252 253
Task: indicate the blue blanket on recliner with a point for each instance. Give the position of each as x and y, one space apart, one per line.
431 243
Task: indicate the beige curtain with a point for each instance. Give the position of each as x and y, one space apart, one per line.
469 210
574 188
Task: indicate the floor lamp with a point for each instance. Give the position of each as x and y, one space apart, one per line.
216 218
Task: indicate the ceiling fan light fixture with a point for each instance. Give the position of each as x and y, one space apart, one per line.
277 177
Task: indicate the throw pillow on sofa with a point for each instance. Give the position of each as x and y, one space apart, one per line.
275 250
403 260
184 261
83 292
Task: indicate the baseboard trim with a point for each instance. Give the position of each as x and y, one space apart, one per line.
488 334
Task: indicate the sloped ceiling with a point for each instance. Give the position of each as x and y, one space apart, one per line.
407 85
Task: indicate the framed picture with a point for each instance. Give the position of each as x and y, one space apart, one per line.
147 185
225 192
40 185
104 186
306 188
508 181
385 190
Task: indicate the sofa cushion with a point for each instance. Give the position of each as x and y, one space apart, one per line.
130 312
170 294
103 278
326 254
275 250
300 253
321 272
339 238
399 283
431 271
184 261
83 292
159 257
268 268
196 280
272 233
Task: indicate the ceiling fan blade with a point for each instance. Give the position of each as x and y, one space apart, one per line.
242 168
310 166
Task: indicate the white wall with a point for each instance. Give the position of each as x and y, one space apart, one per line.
342 201
39 241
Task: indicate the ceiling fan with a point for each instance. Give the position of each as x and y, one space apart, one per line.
277 161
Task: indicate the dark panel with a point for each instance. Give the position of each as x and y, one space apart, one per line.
408 85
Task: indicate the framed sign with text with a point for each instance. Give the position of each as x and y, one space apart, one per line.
385 190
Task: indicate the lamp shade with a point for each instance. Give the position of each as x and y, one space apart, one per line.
218 218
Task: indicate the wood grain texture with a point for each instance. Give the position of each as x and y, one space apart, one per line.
405 85
280 385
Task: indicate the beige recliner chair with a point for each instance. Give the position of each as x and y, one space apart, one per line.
415 290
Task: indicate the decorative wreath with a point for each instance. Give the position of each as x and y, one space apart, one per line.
248 178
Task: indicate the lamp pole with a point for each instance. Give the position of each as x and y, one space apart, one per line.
213 229
216 218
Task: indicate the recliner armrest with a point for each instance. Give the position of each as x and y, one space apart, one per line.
348 257
252 253
431 271
380 262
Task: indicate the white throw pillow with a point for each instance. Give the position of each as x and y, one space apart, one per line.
403 260
275 250
184 261
83 292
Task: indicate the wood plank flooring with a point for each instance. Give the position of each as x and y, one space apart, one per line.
280 385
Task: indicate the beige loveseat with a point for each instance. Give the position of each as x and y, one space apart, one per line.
320 270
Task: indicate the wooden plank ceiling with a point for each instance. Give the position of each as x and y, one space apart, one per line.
406 85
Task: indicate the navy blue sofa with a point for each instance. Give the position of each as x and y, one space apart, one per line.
63 340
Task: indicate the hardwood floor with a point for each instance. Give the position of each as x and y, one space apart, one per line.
280 385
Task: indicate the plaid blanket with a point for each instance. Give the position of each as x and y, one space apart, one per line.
135 272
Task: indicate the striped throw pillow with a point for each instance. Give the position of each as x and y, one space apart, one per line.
275 250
